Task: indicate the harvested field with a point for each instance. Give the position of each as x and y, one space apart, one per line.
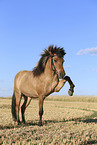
66 120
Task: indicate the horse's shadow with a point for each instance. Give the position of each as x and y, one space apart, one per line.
90 120
90 142
10 126
75 120
47 122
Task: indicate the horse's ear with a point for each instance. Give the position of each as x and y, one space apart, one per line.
50 53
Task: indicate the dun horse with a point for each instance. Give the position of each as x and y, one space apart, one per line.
41 82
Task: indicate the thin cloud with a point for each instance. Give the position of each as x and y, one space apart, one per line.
3 89
95 70
68 66
1 81
92 51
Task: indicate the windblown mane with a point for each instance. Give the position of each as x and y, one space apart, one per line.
49 52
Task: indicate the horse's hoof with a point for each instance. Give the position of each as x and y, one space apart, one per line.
70 92
40 124
23 121
18 122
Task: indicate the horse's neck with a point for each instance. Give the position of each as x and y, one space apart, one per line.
49 73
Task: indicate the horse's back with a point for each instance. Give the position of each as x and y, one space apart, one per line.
21 77
25 82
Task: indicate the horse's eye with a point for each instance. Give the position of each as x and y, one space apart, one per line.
55 60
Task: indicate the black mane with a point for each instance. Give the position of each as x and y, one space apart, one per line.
49 52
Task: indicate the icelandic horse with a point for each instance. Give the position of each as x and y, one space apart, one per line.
41 82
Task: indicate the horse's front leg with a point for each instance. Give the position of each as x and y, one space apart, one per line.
61 84
40 110
71 90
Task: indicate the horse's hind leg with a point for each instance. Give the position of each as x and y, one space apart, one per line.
24 106
18 101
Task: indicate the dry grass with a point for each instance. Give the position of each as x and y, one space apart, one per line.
66 120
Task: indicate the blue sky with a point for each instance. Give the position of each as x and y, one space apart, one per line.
27 27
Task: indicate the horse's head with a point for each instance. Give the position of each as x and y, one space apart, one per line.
55 54
57 66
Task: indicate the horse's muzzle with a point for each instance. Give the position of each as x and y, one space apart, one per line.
61 75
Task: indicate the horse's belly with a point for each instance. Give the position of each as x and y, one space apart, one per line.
28 89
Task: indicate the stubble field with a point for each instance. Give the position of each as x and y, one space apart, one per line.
66 120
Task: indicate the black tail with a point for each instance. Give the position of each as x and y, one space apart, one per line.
13 107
